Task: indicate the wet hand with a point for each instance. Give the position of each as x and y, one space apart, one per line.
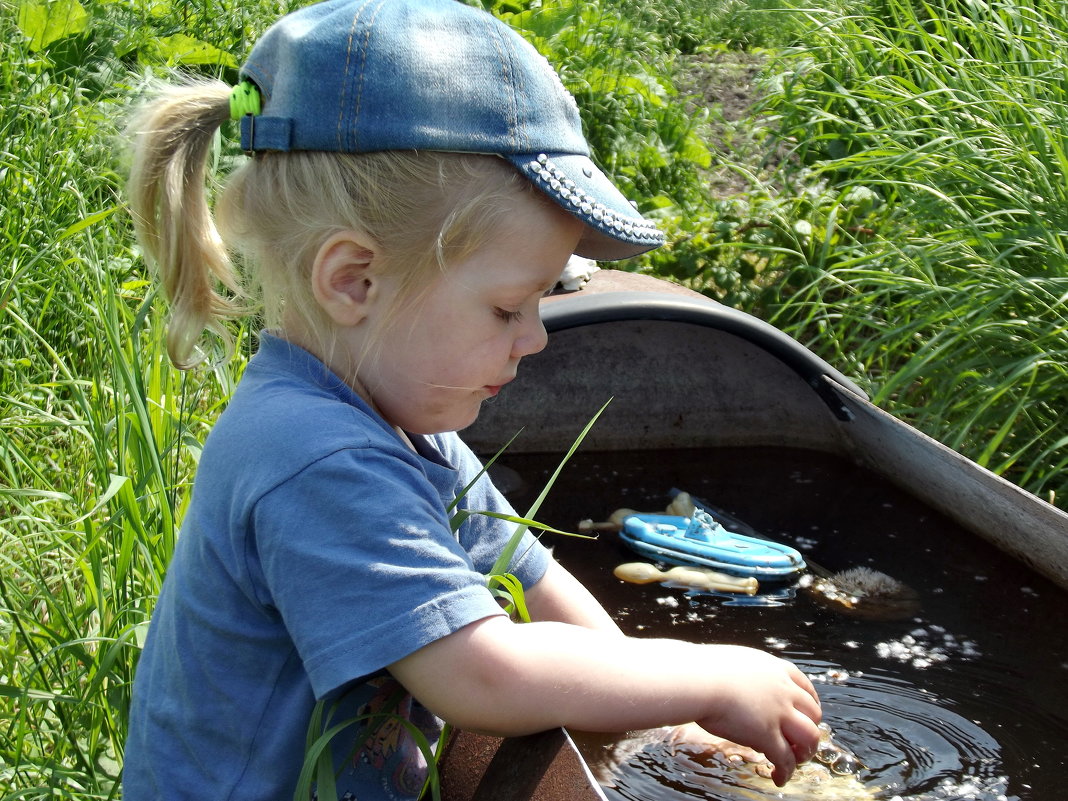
766 703
701 744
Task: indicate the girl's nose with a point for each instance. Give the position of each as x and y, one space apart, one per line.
532 338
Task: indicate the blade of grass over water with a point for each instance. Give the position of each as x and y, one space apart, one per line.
508 552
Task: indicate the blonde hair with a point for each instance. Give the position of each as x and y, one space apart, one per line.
422 209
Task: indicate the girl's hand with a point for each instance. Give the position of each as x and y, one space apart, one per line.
765 702
694 740
605 754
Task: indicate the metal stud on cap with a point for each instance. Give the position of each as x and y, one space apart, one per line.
555 181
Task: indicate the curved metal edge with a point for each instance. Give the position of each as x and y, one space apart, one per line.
1013 519
546 766
581 310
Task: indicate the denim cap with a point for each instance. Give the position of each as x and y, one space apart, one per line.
358 76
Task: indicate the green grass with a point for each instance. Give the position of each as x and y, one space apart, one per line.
951 307
99 435
904 214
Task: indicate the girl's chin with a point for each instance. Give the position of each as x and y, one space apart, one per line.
453 420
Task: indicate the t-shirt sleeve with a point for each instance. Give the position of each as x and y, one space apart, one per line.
356 556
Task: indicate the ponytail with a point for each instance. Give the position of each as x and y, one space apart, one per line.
172 137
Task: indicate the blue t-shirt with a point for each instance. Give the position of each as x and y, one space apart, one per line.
316 551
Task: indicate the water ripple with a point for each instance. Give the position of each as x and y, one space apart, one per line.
913 746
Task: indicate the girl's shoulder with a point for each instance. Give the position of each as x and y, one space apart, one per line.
288 412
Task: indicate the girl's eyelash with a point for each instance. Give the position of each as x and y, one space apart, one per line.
508 316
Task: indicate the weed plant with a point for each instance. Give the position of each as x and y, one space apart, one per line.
98 434
687 27
946 291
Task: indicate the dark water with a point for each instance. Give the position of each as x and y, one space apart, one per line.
967 699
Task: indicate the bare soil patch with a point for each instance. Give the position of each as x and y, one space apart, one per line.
727 84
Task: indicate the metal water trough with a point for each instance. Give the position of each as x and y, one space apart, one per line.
686 372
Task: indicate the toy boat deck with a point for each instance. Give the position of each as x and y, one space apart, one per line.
701 540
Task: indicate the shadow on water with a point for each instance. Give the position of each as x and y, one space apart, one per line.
967 699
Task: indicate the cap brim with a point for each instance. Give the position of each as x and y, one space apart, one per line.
614 228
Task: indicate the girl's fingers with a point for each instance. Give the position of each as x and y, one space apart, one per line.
803 681
803 736
784 764
810 707
800 738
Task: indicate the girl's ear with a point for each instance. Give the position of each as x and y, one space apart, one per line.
343 276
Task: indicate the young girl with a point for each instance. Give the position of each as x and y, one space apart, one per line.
418 181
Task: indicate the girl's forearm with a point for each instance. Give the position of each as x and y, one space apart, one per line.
548 674
510 679
560 597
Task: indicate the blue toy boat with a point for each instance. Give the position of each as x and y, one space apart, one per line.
700 540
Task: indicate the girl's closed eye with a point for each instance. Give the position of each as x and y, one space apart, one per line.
508 316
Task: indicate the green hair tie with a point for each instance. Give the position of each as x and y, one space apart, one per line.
245 99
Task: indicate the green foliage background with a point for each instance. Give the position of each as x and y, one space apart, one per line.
895 199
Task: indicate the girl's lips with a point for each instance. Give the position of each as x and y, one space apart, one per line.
494 389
